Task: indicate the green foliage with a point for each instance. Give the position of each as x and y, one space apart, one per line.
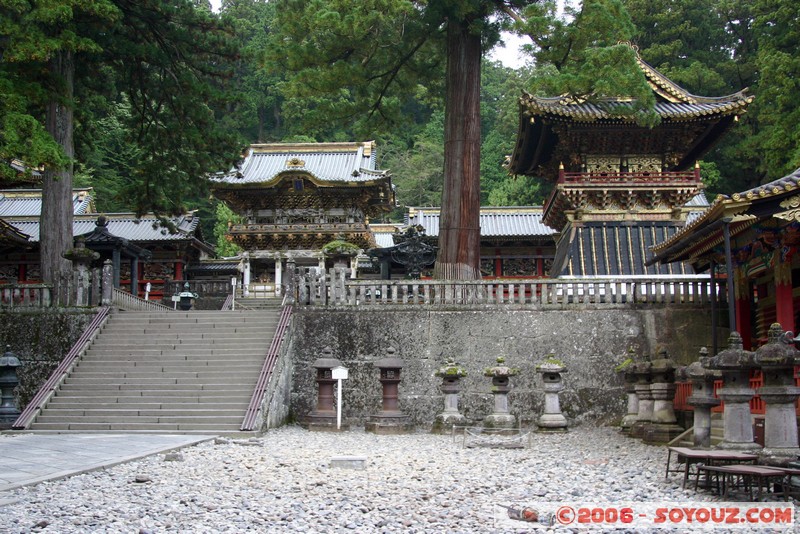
224 218
340 248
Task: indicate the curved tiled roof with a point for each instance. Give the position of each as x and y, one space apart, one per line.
325 163
28 202
494 222
122 225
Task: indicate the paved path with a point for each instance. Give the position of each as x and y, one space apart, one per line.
31 458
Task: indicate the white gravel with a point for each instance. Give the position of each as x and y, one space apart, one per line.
282 482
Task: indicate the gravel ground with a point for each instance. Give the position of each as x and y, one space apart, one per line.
283 482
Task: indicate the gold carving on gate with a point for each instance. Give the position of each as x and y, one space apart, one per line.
644 164
295 162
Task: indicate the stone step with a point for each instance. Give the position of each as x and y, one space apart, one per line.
138 427
161 389
208 419
61 412
146 408
254 317
242 375
173 354
151 366
178 338
87 401
161 379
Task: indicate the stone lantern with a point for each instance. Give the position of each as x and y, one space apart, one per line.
186 298
451 375
629 378
390 420
702 398
81 257
663 425
8 381
500 375
777 359
735 364
552 420
323 417
641 371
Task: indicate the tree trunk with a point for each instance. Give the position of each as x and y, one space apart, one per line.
459 228
56 218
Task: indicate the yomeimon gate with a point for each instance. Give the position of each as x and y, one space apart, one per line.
620 187
296 198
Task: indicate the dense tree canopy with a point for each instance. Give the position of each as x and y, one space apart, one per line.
158 93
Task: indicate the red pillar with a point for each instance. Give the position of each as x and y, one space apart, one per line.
744 297
784 303
178 270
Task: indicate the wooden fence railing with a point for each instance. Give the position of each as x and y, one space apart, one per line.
335 289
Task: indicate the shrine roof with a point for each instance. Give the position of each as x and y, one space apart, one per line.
383 233
28 202
122 225
325 163
741 210
494 221
615 249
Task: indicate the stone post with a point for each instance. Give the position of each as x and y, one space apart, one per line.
390 420
552 420
451 375
641 370
108 282
291 280
777 359
702 399
245 274
8 382
500 375
323 417
663 425
629 378
735 363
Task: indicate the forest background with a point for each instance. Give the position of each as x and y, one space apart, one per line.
257 78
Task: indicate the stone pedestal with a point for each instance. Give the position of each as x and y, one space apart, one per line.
8 382
500 417
390 420
777 359
702 400
451 375
663 425
629 378
552 420
642 387
735 364
323 417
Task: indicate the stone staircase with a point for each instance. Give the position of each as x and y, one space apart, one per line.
252 303
165 372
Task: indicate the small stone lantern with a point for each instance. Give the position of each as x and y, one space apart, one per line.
323 417
777 359
186 298
629 378
451 375
702 398
500 375
663 425
552 420
8 381
390 420
735 364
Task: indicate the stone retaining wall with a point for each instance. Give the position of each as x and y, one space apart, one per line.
40 338
590 342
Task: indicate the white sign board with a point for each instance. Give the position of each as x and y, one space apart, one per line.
339 373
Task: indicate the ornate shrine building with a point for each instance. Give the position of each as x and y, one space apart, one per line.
142 249
755 235
620 188
295 198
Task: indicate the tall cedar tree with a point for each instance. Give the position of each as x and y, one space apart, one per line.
168 60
